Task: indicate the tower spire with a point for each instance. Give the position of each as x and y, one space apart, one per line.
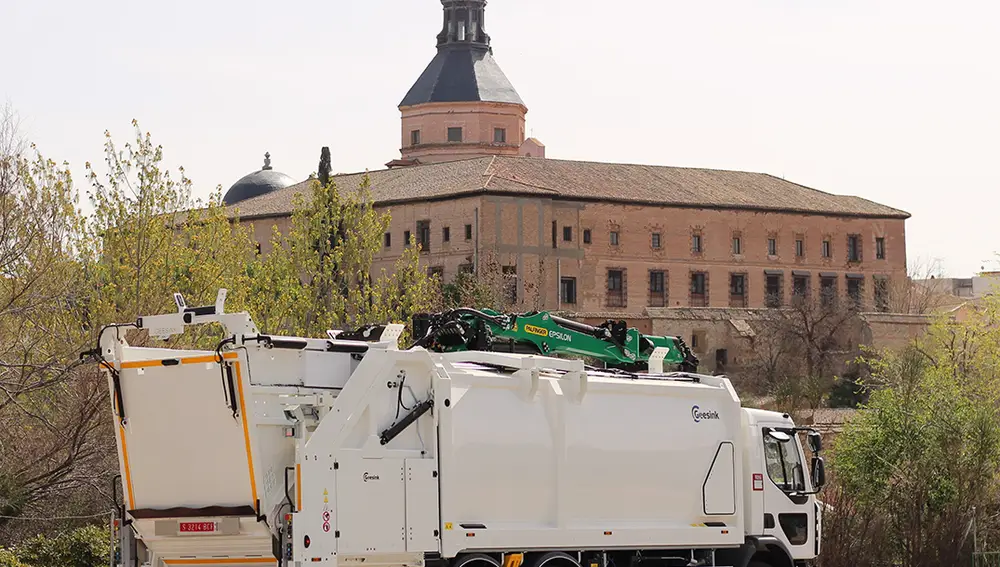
464 25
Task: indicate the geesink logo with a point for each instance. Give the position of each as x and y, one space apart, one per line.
368 476
697 414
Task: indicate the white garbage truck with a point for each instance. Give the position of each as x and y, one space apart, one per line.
347 450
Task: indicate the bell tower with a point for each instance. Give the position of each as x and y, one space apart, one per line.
462 106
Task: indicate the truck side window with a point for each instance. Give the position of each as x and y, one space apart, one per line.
783 463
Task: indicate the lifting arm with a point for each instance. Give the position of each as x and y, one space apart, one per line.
539 332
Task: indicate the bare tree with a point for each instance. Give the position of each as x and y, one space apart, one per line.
53 440
492 284
916 294
799 349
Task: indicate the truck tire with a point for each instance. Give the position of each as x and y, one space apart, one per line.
759 564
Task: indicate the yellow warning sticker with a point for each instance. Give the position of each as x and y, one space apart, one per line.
447 525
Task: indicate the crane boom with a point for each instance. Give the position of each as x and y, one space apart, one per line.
613 343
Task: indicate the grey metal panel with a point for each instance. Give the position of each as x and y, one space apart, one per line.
165 528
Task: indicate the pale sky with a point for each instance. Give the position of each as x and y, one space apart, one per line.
895 101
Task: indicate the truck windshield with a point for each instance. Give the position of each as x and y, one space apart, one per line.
784 460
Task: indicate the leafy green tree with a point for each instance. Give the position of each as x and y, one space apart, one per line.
321 274
9 559
923 454
89 546
148 238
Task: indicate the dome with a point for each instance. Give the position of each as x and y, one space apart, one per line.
258 183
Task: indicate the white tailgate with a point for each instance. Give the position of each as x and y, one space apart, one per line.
182 445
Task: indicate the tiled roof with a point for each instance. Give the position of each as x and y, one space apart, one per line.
587 181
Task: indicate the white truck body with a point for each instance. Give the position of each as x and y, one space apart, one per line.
271 450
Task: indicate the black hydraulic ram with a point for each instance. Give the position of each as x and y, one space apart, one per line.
398 427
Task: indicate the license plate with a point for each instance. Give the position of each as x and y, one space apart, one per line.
197 527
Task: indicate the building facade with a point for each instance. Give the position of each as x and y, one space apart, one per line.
597 238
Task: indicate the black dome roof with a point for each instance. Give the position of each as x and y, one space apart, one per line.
258 183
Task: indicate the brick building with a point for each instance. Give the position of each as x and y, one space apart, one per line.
595 237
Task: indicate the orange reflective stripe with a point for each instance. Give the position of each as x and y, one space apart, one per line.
128 471
298 487
188 360
246 433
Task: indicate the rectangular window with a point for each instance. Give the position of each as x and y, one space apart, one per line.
773 291
696 243
656 240
567 290
466 268
616 288
567 234
737 290
454 134
772 247
555 228
855 291
468 232
826 249
614 238
424 235
880 248
415 138
881 294
699 289
828 290
446 234
853 248
800 248
406 238
499 135
388 240
737 245
435 271
586 236
800 286
657 288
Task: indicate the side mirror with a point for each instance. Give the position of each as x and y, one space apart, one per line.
815 442
818 472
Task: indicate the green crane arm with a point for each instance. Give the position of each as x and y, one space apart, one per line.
613 342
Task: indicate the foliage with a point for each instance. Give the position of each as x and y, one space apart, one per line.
323 273
148 239
9 559
923 456
48 402
88 546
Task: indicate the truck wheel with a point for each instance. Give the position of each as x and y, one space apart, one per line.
758 564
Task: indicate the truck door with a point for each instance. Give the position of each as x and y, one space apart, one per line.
789 513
